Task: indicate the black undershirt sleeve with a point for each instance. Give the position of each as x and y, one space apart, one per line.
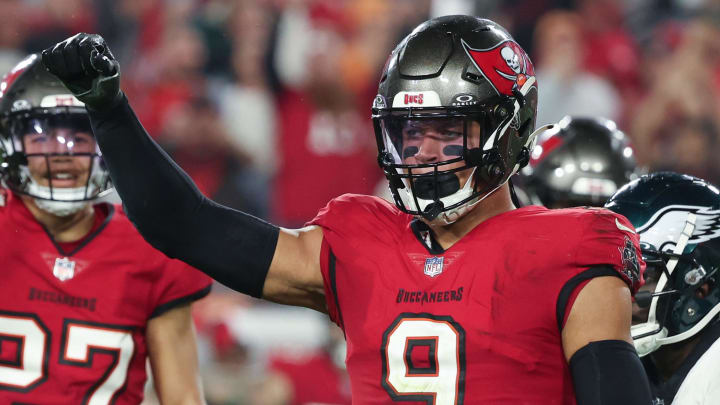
609 372
171 213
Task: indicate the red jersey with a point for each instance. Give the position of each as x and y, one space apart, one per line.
72 324
478 323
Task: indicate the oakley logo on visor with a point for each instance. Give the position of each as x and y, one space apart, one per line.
464 100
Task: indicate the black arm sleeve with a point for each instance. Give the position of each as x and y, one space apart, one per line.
170 212
609 372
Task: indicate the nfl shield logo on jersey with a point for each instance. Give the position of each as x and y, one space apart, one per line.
433 266
64 268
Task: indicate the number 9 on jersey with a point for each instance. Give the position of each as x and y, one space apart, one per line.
408 375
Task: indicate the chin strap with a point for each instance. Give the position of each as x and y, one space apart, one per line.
445 217
513 195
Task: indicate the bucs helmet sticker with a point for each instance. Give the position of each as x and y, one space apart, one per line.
416 99
506 66
61 100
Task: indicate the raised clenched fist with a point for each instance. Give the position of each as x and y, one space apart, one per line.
86 66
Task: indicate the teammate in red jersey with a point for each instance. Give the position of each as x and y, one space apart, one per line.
450 296
85 300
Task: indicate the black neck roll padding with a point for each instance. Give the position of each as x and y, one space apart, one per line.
609 372
171 213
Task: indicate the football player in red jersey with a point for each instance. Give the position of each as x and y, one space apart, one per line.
85 300
449 296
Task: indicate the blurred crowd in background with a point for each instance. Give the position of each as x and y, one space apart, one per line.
266 105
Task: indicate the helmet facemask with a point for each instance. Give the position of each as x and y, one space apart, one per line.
466 73
50 154
440 162
674 313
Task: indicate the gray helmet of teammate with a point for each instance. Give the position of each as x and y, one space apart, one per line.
580 161
42 122
468 71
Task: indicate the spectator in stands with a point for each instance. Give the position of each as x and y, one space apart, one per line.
325 143
692 149
610 50
13 31
48 21
247 106
172 76
227 378
568 89
195 137
682 99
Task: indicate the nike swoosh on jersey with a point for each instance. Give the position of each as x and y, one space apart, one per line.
623 227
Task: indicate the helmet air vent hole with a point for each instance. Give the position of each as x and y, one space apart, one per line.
472 77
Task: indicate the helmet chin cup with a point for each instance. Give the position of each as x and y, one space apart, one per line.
61 202
433 210
60 208
649 337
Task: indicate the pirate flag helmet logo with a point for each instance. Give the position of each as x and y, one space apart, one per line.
505 65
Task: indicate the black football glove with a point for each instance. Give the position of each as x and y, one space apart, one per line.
88 69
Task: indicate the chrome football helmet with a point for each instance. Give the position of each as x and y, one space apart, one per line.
47 147
580 161
454 116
